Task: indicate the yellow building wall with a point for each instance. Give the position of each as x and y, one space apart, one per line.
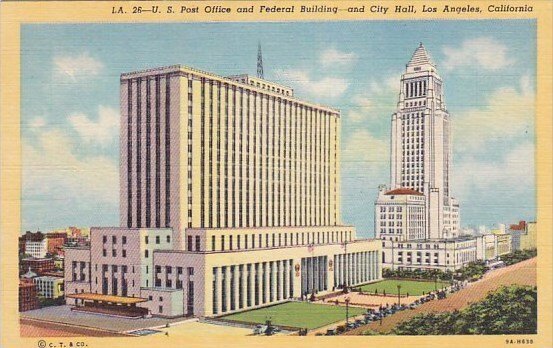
528 240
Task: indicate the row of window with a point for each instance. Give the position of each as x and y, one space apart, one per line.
392 209
415 89
416 103
251 241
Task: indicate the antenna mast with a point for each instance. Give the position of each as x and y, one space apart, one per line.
259 62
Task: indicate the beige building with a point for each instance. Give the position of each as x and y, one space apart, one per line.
230 199
528 240
49 287
443 254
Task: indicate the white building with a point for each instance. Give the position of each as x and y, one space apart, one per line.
49 287
230 200
37 247
417 218
400 214
443 254
421 145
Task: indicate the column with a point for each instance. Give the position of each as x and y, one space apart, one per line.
250 273
216 303
309 276
350 270
266 281
235 288
325 273
303 276
367 264
279 280
291 272
273 281
371 268
285 280
225 287
257 285
340 270
242 286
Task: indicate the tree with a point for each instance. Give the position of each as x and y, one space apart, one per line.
508 310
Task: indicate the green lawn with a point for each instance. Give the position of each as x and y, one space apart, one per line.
297 314
412 287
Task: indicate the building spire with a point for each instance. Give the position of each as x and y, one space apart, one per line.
420 57
259 61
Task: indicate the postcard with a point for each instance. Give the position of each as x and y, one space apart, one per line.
263 173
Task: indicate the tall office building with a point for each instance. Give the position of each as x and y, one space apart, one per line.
201 151
230 200
418 211
421 146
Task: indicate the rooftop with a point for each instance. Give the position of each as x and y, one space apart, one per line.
404 191
187 69
107 298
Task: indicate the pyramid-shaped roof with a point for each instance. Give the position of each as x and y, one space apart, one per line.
420 57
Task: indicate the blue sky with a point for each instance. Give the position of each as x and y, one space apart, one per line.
70 104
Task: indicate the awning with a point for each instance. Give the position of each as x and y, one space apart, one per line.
107 298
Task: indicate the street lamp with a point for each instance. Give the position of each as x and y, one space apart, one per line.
347 311
399 295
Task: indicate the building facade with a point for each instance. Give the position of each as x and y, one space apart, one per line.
28 295
36 265
36 244
529 239
443 254
49 287
230 199
400 214
421 145
55 242
417 217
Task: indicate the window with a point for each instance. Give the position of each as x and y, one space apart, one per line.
114 239
105 239
222 243
189 245
161 308
124 238
157 240
197 243
104 252
168 239
146 253
213 243
146 239
114 253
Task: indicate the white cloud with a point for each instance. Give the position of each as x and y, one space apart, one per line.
102 130
37 123
365 154
508 112
485 52
326 87
52 170
513 173
78 66
333 57
378 98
